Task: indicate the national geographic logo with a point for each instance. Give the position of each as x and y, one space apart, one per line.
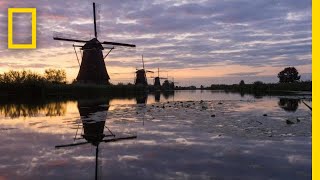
33 12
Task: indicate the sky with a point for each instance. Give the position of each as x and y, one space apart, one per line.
194 42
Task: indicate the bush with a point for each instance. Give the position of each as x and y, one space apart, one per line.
51 76
21 77
56 76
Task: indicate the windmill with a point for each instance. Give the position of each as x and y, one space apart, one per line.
94 128
141 77
92 67
157 80
174 82
169 85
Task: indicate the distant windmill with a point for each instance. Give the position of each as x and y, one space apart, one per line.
141 77
174 82
169 85
157 79
92 67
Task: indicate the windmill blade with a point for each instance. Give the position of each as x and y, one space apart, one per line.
95 20
108 47
68 145
77 46
70 40
307 105
81 46
119 139
78 138
142 61
118 44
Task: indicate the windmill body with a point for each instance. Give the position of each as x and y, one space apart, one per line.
141 75
93 68
157 83
141 78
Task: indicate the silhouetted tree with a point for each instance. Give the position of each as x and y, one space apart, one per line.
20 77
288 75
55 76
259 87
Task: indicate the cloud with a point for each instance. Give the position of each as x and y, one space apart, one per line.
179 34
245 73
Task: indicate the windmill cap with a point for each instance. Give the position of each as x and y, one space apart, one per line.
93 43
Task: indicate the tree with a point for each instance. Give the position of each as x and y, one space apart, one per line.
55 76
289 75
259 87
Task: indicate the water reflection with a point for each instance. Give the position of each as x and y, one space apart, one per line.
182 137
32 109
142 99
36 108
93 115
168 94
289 104
157 96
14 109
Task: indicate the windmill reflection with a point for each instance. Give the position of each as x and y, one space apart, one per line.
141 108
168 94
142 99
157 95
93 116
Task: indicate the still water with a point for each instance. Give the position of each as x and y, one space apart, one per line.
181 135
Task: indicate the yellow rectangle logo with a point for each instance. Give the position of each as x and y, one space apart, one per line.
33 12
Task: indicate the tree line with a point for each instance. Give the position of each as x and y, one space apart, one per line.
50 76
289 80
